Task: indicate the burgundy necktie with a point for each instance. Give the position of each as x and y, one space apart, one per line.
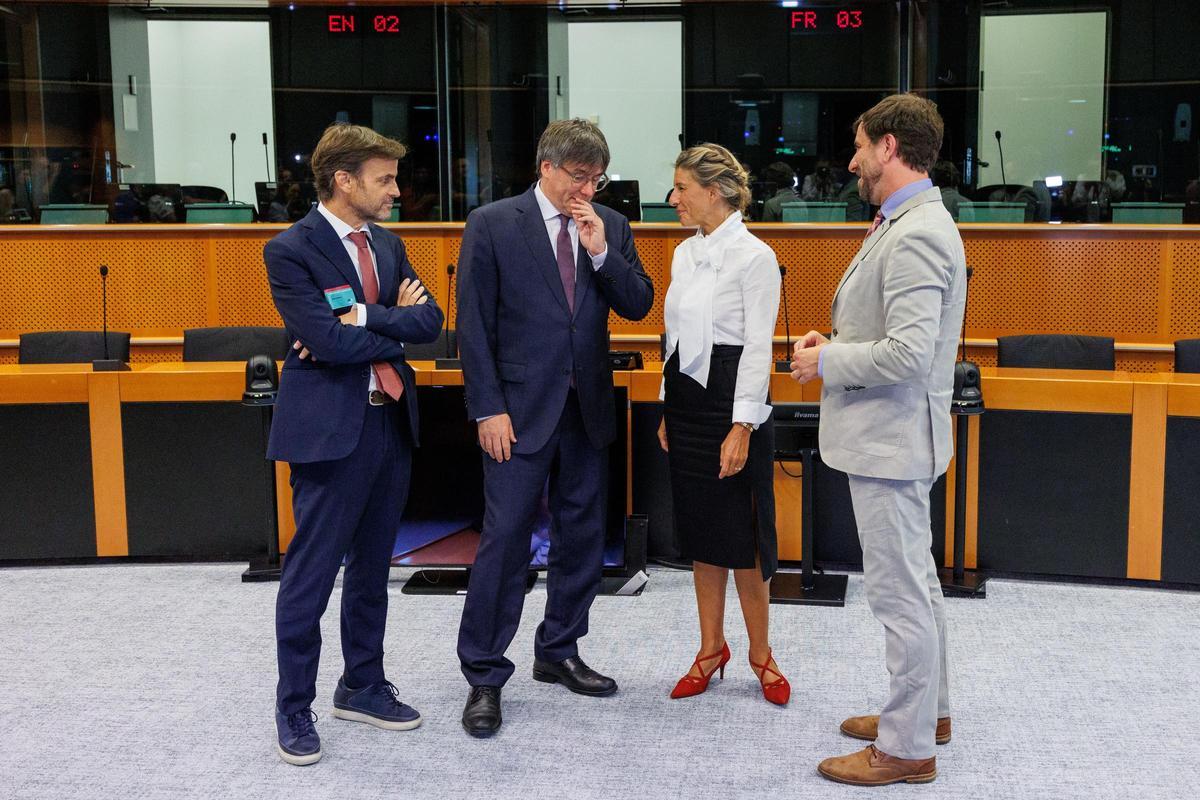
875 225
566 261
385 374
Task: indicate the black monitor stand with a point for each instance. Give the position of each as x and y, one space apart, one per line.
807 588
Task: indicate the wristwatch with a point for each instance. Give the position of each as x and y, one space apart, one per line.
747 425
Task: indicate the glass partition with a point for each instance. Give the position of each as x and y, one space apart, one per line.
1056 111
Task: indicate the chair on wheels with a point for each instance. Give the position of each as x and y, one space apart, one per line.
434 350
1057 351
1187 355
234 343
70 347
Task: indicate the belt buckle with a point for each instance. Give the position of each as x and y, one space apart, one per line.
378 398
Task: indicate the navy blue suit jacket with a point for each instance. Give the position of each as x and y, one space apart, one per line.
319 411
517 339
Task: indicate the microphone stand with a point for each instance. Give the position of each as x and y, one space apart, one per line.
267 156
966 402
450 361
1003 178
232 169
786 364
106 364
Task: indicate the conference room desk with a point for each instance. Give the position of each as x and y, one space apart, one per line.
1073 473
160 461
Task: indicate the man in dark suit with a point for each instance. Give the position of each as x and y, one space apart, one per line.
346 420
538 275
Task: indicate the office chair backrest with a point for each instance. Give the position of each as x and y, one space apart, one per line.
234 343
70 347
1187 355
1057 351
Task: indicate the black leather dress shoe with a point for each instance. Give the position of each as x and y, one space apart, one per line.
575 675
481 717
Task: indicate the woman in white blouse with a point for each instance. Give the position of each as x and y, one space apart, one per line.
720 318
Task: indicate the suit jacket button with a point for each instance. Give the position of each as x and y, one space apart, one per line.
566 372
572 329
366 372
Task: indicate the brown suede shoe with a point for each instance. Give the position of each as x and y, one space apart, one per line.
867 728
873 767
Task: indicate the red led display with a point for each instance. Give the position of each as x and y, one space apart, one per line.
825 20
350 23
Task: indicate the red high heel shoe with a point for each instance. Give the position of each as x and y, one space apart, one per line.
777 691
690 686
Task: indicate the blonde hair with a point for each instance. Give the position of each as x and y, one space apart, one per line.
345 147
716 167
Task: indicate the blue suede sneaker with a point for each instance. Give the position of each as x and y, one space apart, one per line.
298 740
375 705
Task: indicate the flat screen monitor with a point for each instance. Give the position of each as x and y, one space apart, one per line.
623 197
284 201
148 202
796 427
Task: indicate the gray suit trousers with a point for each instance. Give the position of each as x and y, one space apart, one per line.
905 595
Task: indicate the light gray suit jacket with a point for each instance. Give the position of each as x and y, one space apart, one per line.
889 368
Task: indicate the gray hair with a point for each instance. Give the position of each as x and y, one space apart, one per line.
573 140
714 166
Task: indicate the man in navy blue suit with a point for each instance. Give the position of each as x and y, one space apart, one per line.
538 275
346 421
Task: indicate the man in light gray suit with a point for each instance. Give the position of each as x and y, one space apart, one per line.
888 372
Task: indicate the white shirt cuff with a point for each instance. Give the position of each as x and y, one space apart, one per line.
750 411
360 315
598 261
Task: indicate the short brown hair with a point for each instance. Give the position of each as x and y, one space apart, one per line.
346 147
913 120
715 166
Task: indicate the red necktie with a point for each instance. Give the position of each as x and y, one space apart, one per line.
875 225
385 374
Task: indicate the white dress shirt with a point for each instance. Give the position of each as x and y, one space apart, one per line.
343 231
725 290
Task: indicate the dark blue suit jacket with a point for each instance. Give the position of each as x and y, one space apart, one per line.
319 411
517 339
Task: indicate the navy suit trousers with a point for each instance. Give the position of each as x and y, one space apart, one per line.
577 474
346 510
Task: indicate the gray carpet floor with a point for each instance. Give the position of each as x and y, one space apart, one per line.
157 682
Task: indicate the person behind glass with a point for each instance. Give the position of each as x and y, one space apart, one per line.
717 431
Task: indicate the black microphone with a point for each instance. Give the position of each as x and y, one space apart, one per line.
449 362
106 364
1003 179
232 167
267 156
786 364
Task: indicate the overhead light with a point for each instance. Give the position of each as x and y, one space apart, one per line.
1053 181
1077 100
790 3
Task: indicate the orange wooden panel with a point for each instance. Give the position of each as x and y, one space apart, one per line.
108 463
1147 465
48 383
283 505
788 518
1081 391
194 382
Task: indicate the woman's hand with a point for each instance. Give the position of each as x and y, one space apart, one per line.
662 434
734 450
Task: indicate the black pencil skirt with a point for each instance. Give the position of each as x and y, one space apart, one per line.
727 522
